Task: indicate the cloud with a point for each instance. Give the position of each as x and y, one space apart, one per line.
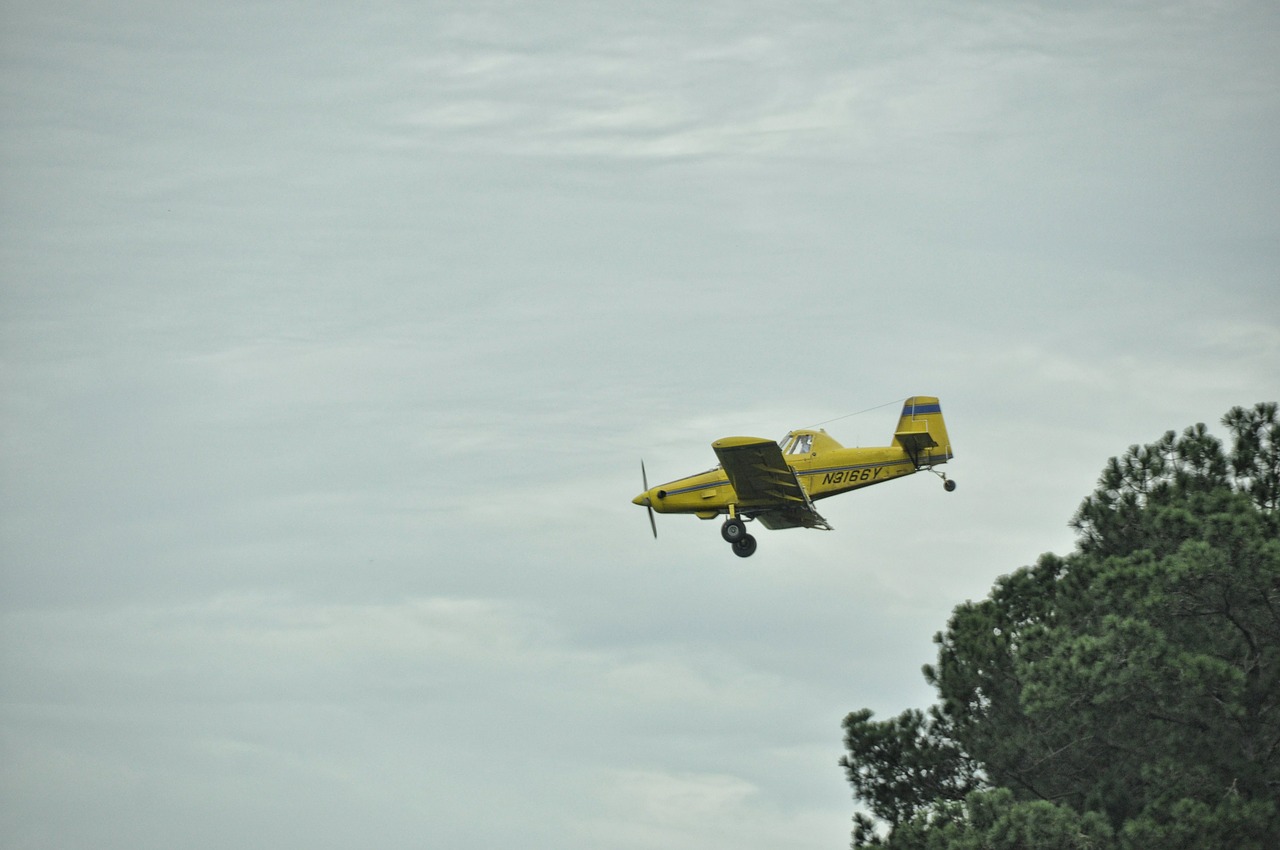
279 690
689 810
328 367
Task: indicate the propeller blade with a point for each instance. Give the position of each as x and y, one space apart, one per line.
644 477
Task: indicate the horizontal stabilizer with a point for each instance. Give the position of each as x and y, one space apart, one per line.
916 440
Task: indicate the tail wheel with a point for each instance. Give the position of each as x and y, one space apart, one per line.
733 530
745 546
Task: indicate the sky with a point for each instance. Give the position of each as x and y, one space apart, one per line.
332 339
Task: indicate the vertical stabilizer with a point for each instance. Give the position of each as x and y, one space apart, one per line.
922 433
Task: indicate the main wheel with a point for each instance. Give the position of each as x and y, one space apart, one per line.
948 485
745 546
733 530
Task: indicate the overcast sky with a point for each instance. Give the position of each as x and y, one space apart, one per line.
331 341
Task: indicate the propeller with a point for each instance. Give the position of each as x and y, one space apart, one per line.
648 506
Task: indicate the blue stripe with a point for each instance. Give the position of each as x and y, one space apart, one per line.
695 488
920 409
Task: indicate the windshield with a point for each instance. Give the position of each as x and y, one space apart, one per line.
796 444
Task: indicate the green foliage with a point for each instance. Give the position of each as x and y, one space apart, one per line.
1174 470
1127 695
1255 459
996 820
904 765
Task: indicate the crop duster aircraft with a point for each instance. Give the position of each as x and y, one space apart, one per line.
777 483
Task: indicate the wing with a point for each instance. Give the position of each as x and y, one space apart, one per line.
767 487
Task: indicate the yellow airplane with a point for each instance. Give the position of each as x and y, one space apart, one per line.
777 483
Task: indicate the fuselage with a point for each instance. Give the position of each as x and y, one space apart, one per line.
823 467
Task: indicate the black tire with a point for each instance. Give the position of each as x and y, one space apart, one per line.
733 530
948 485
745 547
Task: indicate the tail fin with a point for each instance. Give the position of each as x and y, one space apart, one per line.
922 433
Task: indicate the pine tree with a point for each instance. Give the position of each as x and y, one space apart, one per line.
1126 695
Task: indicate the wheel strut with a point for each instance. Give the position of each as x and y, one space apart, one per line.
947 483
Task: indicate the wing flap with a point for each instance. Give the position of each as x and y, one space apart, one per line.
793 516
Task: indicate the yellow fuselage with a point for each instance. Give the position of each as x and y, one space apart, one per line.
828 469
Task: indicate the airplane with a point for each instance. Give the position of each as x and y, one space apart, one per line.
777 483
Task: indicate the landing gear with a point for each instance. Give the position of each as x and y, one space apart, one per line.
733 530
947 483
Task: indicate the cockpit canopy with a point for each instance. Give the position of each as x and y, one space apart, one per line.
796 443
800 443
